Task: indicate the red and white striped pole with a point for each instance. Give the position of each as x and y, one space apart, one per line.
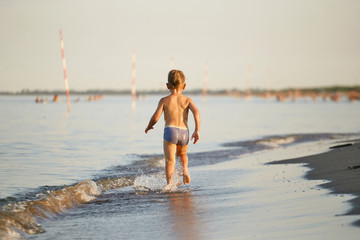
204 93
65 75
133 81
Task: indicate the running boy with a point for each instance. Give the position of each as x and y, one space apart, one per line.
176 133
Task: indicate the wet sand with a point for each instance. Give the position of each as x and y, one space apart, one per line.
341 166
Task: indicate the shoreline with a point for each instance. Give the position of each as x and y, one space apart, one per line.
341 166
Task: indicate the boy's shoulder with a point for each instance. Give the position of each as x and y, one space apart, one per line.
172 96
167 99
186 98
163 99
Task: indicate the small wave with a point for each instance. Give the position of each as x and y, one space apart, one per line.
114 183
281 140
18 219
277 141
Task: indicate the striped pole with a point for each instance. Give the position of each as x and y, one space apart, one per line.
268 83
65 75
133 81
204 93
248 82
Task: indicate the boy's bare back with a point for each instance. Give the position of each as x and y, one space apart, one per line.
176 110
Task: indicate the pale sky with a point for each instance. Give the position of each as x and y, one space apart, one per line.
287 43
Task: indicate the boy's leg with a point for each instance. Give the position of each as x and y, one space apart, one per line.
169 152
181 151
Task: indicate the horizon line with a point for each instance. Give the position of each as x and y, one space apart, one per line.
329 88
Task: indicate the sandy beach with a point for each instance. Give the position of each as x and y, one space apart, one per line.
341 166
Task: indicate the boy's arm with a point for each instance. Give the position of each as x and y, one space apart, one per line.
155 117
196 114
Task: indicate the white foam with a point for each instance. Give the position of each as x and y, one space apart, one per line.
89 191
276 142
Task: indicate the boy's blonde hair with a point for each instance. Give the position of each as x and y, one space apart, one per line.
176 79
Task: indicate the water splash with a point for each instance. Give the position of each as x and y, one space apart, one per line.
157 182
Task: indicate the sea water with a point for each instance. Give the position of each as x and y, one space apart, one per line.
102 175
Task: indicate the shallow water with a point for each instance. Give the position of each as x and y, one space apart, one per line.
46 154
239 198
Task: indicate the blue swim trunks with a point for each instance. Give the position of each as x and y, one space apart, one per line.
176 135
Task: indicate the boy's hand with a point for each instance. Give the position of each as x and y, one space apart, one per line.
148 129
196 137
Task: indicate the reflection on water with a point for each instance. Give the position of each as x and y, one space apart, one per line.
63 128
183 214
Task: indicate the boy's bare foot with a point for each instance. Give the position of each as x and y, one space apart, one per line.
171 187
186 178
168 187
